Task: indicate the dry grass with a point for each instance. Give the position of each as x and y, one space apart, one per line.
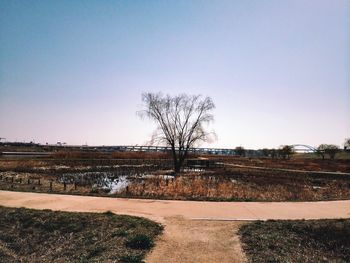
79 155
297 241
114 155
245 185
309 164
28 235
140 155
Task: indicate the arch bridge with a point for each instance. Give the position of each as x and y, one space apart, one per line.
303 148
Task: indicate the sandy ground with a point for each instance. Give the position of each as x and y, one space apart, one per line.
194 231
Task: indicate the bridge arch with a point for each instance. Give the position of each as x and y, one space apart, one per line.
307 148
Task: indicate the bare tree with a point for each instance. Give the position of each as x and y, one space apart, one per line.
265 152
240 151
286 151
329 149
180 121
347 144
273 153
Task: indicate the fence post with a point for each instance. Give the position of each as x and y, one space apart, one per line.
64 186
50 185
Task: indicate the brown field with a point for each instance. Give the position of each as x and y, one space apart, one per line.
152 178
296 163
245 185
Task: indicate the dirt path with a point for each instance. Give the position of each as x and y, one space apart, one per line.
160 209
193 241
194 231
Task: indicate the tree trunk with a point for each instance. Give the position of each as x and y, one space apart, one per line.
177 167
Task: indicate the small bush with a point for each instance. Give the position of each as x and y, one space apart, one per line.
140 241
131 259
109 213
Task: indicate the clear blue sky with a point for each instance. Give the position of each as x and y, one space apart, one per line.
74 71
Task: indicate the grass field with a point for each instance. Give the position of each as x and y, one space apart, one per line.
297 241
28 235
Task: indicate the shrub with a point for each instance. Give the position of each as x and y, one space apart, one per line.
330 149
139 241
131 259
109 213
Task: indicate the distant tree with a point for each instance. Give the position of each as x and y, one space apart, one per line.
320 151
330 149
286 151
273 153
240 151
347 144
265 152
180 121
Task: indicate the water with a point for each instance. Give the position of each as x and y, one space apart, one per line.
109 181
117 185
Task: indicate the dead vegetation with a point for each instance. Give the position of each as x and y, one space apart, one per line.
245 185
297 241
28 235
151 178
307 164
114 155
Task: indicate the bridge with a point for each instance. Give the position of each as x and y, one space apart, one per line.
298 148
164 149
303 148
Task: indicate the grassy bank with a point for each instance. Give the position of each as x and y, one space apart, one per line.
297 241
28 235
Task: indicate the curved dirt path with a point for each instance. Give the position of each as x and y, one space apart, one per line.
194 231
160 209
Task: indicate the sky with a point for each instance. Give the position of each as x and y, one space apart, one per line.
74 71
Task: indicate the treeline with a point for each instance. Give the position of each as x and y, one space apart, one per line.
286 151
